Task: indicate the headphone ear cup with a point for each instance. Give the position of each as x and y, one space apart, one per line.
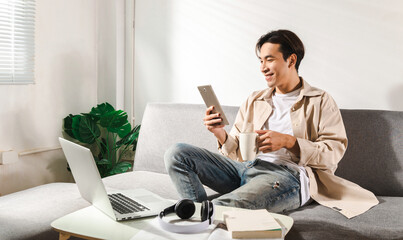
185 208
206 210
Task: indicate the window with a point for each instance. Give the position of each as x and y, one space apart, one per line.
17 45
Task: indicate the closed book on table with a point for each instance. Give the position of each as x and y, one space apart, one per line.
252 224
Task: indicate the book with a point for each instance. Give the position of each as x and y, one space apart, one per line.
252 224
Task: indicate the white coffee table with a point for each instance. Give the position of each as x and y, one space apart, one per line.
90 223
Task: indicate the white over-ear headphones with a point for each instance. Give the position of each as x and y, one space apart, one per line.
185 209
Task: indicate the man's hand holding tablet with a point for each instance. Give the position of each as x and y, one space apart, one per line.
214 119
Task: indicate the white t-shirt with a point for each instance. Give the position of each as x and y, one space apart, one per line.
280 121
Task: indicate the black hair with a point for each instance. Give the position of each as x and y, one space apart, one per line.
289 44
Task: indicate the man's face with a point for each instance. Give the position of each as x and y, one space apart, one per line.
273 66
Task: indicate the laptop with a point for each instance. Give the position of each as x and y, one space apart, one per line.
119 205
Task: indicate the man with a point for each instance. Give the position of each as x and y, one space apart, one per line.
301 139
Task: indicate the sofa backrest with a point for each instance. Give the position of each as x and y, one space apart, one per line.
165 124
374 157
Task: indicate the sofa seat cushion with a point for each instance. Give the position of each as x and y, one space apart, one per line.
28 214
158 183
384 221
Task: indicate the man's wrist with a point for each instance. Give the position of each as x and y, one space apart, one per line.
292 145
221 137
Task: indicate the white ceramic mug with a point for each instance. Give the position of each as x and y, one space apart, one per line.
248 145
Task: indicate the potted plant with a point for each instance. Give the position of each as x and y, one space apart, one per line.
109 135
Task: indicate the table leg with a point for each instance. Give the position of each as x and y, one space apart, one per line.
64 236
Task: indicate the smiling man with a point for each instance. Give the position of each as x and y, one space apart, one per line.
301 139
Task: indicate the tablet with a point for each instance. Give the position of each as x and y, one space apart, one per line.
210 99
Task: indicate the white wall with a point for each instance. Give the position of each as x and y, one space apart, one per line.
353 49
65 82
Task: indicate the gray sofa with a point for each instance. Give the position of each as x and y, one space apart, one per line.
374 160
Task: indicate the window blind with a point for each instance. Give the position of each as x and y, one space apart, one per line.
17 41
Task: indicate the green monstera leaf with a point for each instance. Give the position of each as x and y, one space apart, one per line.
75 127
104 166
104 126
67 125
84 129
93 118
121 167
101 110
116 122
130 138
104 161
88 130
121 131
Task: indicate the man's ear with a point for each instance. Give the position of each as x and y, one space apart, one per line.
292 60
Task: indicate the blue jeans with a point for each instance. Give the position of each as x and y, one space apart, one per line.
254 184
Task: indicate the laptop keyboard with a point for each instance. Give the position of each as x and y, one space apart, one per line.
124 205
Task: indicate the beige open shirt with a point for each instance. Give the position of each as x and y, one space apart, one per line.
318 126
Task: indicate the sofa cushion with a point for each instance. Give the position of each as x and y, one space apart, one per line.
385 221
158 183
29 213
